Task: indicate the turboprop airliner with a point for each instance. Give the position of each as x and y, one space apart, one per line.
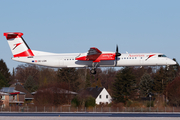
93 58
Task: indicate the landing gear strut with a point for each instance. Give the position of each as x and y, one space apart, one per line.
93 70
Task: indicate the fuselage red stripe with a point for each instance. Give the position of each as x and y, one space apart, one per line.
25 54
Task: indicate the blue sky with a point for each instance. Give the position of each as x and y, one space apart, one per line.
64 26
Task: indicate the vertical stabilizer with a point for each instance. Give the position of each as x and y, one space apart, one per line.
17 45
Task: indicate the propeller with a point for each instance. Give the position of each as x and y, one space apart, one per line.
117 54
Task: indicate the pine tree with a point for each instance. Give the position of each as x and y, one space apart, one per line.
5 71
159 80
146 84
124 85
3 81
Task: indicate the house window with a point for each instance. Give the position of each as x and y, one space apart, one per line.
106 96
3 97
100 96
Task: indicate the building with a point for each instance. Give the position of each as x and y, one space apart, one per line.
10 96
17 86
100 94
16 94
55 93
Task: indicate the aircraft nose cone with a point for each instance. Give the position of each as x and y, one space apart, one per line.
172 62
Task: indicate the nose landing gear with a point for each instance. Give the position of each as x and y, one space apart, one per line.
93 70
167 67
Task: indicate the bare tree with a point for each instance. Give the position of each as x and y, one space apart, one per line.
173 92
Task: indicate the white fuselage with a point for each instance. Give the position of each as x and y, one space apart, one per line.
93 58
69 60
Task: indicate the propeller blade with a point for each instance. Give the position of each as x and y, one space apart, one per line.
116 48
117 54
116 61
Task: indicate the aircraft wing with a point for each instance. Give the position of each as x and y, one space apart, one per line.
92 55
96 55
94 51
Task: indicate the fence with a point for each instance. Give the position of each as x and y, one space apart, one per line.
90 109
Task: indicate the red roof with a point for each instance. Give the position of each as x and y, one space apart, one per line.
14 93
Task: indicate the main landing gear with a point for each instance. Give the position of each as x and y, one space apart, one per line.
93 70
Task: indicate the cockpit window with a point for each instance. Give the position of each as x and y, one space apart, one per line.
162 56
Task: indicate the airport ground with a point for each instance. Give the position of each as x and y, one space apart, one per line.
89 118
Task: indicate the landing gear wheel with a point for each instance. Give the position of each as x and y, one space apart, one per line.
93 71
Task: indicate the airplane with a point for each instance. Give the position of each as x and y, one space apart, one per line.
93 58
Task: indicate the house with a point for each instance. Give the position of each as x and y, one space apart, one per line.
100 94
56 93
16 94
10 96
19 87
